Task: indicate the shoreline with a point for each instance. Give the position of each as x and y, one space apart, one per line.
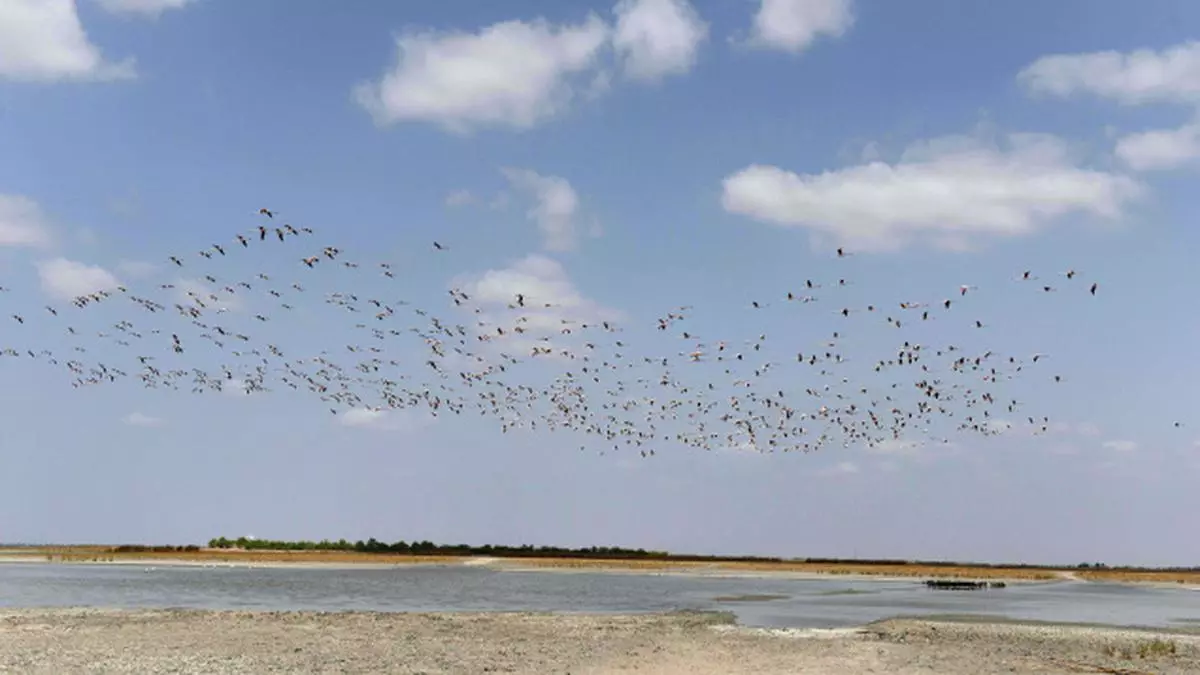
69 640
793 571
515 565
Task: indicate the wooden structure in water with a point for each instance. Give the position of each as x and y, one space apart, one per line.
960 585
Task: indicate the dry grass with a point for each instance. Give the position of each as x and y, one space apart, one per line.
105 554
889 570
1141 576
1156 648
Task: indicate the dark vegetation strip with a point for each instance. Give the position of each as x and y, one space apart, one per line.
428 548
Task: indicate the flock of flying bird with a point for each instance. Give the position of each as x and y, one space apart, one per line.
528 363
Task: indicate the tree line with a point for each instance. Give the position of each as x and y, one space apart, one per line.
139 548
373 545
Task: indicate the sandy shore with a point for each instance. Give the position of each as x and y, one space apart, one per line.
499 564
178 641
785 570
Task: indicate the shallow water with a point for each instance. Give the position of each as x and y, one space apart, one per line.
820 603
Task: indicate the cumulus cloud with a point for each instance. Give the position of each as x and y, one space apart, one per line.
460 198
1121 445
946 191
656 38
552 303
793 25
541 279
382 419
1137 77
896 447
67 279
43 40
1160 148
556 205
193 292
22 222
360 417
236 387
138 419
839 469
512 74
137 268
500 201
1069 444
997 426
147 8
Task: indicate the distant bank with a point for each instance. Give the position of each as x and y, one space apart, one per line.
598 559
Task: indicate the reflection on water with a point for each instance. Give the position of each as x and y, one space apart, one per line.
755 601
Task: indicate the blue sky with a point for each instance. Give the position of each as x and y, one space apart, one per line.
617 161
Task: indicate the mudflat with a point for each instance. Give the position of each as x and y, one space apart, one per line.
192 641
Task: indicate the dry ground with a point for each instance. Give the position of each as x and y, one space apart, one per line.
176 641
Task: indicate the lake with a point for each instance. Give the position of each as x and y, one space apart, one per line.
809 603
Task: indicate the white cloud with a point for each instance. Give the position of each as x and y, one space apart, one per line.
997 426
460 198
22 222
384 420
137 419
1084 429
1063 449
793 25
947 190
1143 76
539 278
148 8
1137 77
839 469
741 449
656 38
87 236
43 40
360 417
600 85
188 290
500 201
511 74
67 279
137 268
1160 148
127 206
1121 445
556 206
541 281
896 447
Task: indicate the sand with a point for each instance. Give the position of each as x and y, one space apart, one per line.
552 566
64 641
100 555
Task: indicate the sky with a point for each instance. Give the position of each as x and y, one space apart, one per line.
617 161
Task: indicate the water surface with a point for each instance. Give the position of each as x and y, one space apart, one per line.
775 602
